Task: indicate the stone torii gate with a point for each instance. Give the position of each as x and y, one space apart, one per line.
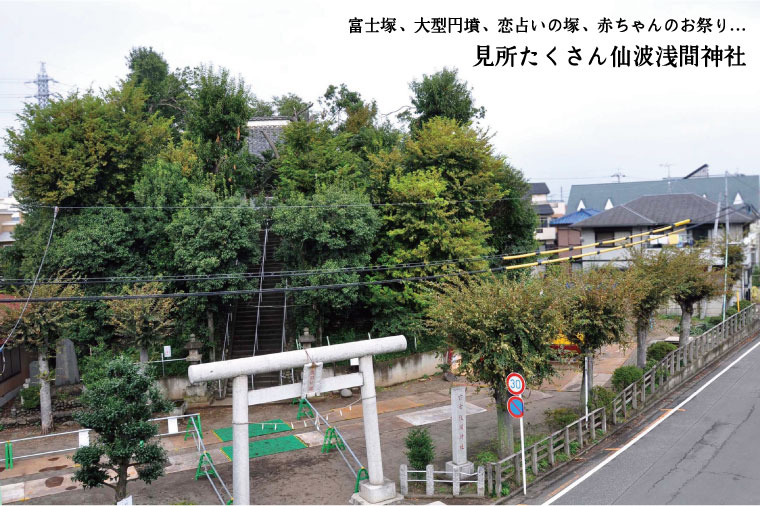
377 488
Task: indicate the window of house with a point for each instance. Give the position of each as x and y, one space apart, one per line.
544 221
12 359
603 235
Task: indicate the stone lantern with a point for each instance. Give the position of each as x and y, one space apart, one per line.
193 346
306 339
194 394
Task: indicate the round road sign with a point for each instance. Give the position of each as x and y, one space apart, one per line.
515 383
515 407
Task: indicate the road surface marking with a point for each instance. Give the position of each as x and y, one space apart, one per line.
648 429
672 409
612 449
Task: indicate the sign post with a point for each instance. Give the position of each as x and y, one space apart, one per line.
515 386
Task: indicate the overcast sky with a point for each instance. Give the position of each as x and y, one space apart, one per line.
560 124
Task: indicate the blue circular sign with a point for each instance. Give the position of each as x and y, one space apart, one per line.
515 407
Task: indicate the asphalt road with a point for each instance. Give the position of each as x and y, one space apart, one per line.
707 454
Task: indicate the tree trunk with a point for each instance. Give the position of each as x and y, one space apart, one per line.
46 406
642 325
210 324
505 432
684 330
121 483
143 354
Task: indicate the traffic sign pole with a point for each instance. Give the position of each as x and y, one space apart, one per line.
523 457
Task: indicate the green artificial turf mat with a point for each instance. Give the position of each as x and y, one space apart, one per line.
225 434
264 447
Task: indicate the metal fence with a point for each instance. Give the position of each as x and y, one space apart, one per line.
456 479
71 443
672 371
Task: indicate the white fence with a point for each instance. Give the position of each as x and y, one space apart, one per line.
455 477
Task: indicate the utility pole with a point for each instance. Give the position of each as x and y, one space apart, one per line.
43 90
618 175
726 246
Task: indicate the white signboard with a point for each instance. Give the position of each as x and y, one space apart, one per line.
167 352
127 501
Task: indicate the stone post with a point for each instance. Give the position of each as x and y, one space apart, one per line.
459 433
403 479
377 488
429 479
480 489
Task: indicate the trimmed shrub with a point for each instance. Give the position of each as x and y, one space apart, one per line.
558 418
601 397
419 448
625 376
658 350
30 397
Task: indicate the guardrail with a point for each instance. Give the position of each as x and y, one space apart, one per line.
672 371
456 479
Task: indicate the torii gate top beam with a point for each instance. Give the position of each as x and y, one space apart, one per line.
292 359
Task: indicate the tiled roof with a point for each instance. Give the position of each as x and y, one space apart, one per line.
539 189
543 209
653 210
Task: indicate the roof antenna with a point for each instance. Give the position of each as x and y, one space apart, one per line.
618 175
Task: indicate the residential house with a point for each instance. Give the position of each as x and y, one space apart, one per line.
567 236
10 216
14 364
543 207
650 212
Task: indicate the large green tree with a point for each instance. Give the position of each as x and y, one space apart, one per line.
83 150
213 235
443 94
317 236
499 326
117 407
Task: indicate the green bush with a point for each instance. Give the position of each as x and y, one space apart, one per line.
601 397
558 418
419 448
712 321
658 350
30 397
625 376
650 364
484 457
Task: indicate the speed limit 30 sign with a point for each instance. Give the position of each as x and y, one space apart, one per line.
515 383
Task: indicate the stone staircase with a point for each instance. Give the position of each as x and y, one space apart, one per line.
268 334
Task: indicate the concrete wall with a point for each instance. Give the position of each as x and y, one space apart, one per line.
173 387
396 371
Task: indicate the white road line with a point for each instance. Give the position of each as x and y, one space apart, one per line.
643 433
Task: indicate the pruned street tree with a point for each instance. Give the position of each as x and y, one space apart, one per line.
691 281
142 322
498 326
649 288
42 325
595 307
118 404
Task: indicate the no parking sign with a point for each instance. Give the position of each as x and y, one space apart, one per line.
515 407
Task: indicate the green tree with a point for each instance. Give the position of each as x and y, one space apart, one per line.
142 322
319 237
443 94
216 122
212 235
649 288
166 92
595 307
40 329
499 326
292 105
691 281
83 150
118 405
